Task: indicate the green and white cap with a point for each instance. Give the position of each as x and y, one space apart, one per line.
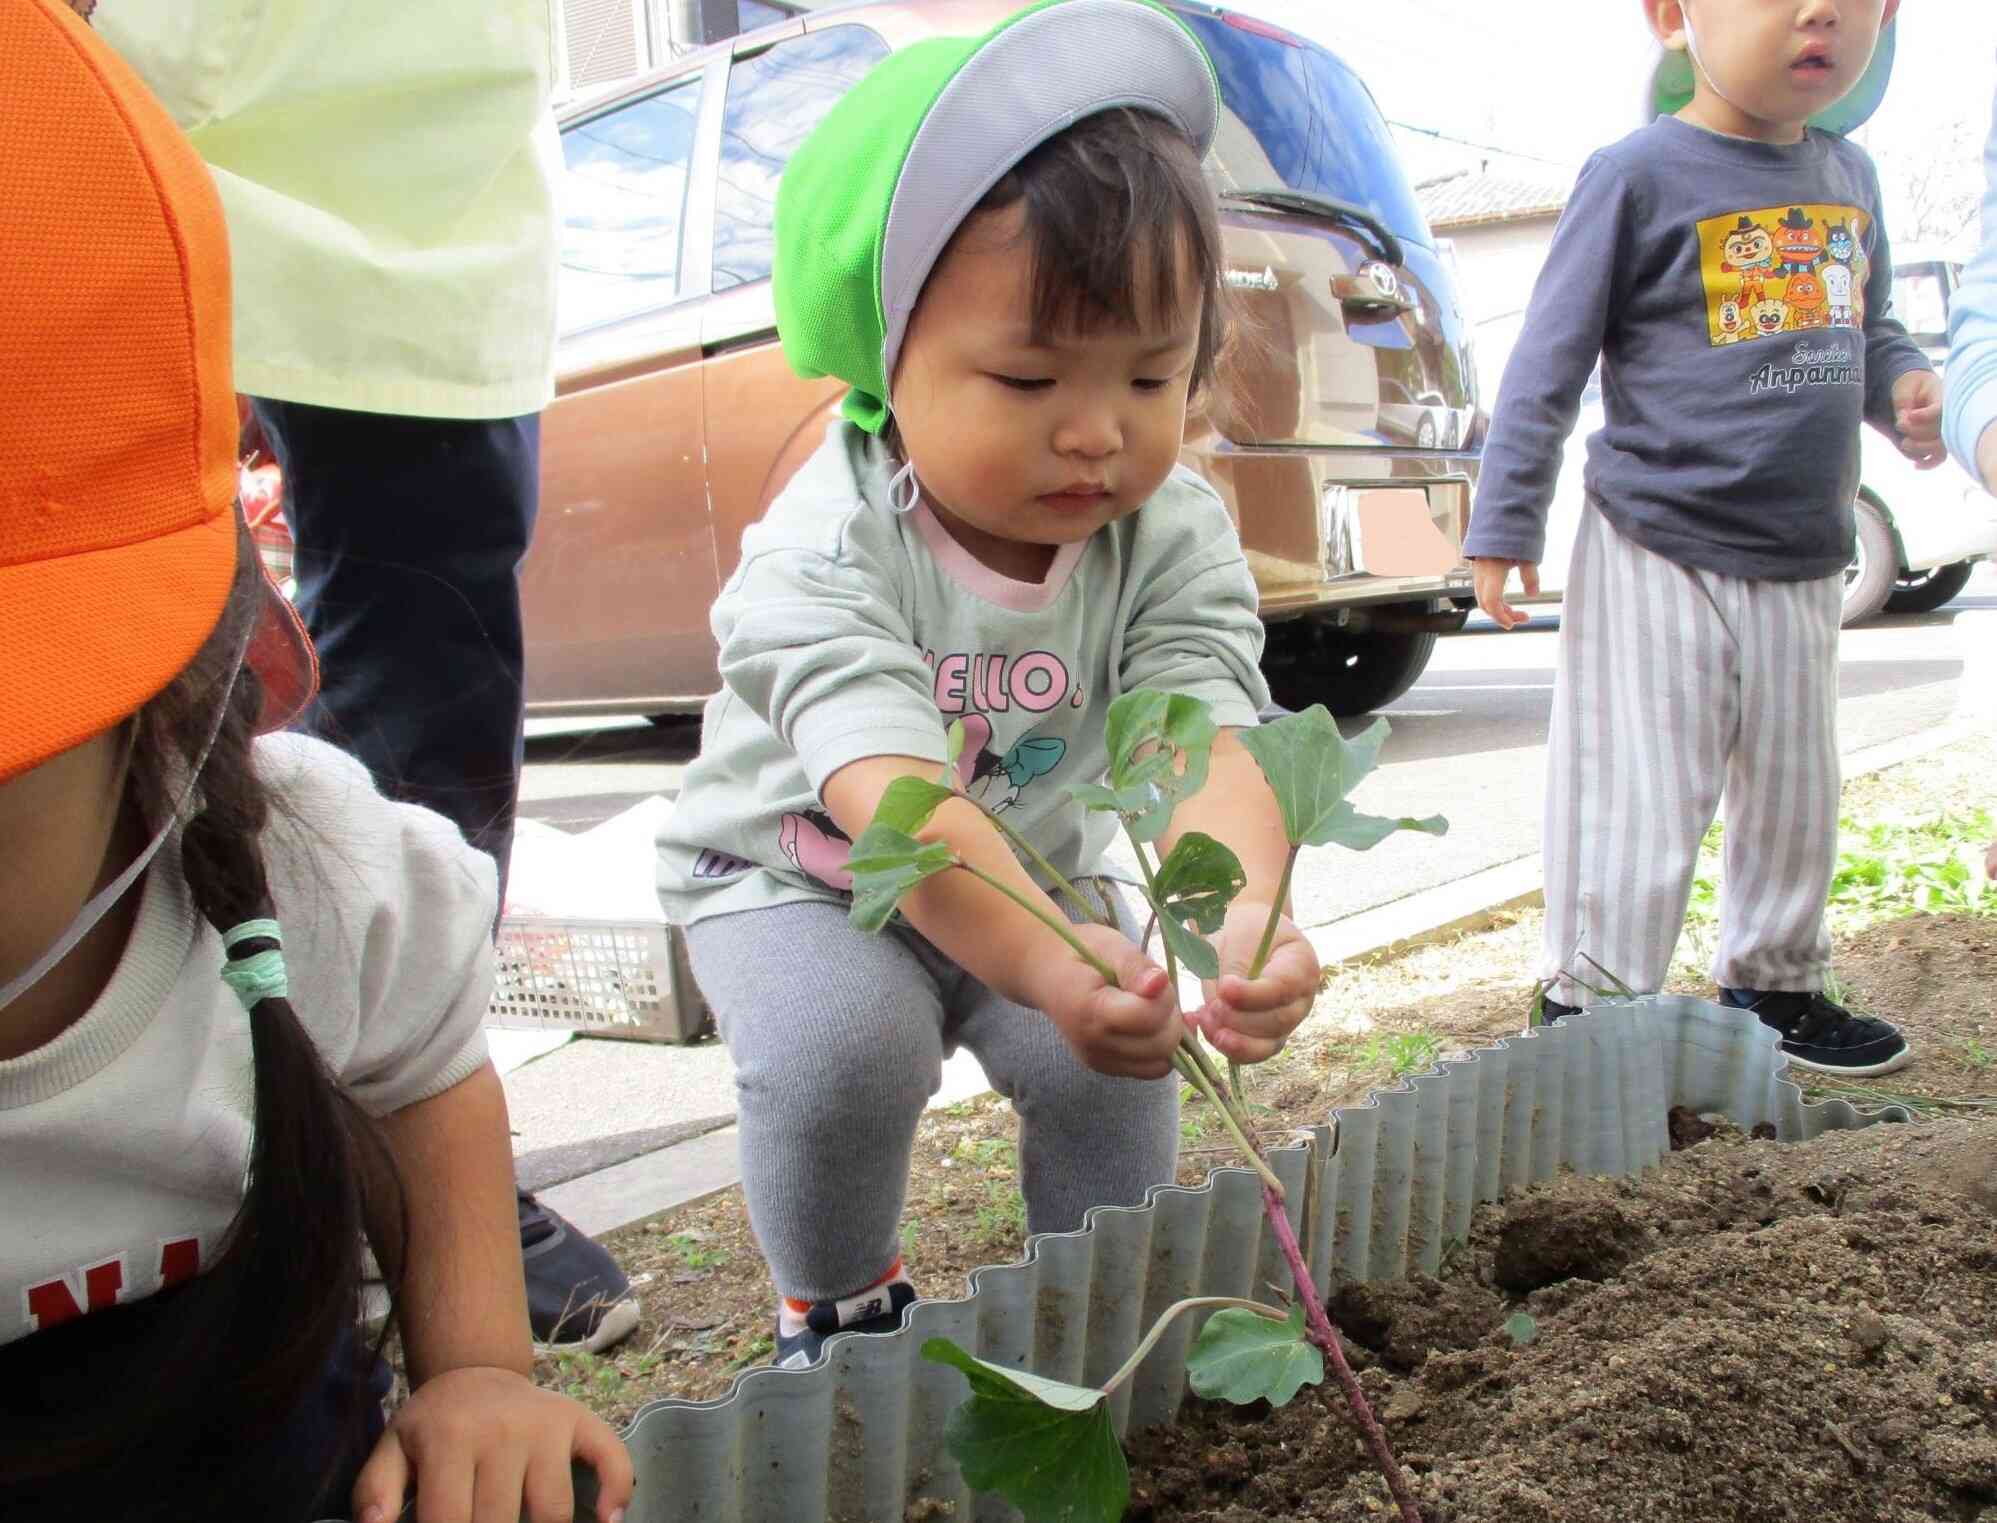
1669 88
868 202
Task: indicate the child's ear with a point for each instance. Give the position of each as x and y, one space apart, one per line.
1667 22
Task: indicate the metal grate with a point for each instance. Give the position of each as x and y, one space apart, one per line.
614 978
603 41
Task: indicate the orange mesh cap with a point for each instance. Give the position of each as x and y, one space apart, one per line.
118 519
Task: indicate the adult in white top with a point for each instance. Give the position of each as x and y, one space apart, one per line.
387 171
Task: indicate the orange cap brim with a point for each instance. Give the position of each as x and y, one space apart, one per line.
79 615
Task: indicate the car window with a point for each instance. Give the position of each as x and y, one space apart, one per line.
1920 301
1294 112
623 201
774 100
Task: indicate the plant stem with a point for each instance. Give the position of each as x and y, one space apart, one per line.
1058 927
1622 989
1234 1085
1275 914
1195 1049
1215 1085
1195 1076
1157 909
1026 848
1325 1336
1273 1313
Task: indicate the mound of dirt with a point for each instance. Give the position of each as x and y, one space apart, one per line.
1750 1332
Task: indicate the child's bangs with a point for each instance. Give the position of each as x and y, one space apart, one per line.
1122 230
1141 279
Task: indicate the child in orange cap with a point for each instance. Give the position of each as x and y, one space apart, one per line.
240 992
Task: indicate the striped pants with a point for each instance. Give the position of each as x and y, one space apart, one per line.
1673 684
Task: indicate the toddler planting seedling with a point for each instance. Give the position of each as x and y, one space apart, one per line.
1008 251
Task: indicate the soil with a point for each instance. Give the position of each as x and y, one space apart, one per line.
1750 1332
708 1305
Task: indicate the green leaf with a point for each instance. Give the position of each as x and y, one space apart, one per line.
1196 882
885 864
1311 766
1163 740
908 803
1193 951
1046 1447
1346 826
1521 1328
1115 801
953 739
1241 1356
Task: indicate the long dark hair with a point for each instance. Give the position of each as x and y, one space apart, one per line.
176 1405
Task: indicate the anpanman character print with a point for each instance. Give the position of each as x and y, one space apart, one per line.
1783 269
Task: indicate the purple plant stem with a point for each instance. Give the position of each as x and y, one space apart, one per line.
1325 1336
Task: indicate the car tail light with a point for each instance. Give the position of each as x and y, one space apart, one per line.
260 488
1261 28
1480 425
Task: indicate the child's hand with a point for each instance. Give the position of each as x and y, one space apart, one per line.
1986 457
1917 414
488 1446
1131 1029
1490 576
1249 1020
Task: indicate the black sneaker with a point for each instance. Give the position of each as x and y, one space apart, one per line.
1551 1010
1822 1035
871 1311
577 1297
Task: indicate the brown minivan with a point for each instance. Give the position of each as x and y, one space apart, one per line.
1346 452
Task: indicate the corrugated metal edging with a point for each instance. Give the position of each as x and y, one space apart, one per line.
1375 1193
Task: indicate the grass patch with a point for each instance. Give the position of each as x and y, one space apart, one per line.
1001 1215
1902 863
755 1350
689 1249
1400 1053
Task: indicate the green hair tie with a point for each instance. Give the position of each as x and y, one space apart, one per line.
259 976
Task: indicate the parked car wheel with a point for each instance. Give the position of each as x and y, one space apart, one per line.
1311 660
1875 563
1925 591
1425 432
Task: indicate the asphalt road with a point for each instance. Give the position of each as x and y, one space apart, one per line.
1468 742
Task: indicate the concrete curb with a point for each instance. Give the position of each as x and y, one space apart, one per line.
689 1171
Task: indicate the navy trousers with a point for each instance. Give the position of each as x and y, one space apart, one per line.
409 534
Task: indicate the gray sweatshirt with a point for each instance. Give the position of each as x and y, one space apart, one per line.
1737 294
850 631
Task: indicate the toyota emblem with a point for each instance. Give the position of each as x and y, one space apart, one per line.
1385 281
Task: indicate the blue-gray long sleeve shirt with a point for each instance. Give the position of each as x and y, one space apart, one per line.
1737 294
1972 332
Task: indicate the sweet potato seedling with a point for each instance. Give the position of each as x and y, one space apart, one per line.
1046 1446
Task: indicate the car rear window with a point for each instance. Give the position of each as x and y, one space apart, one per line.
1312 120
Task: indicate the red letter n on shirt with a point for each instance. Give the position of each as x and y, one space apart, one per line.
100 1286
64 1299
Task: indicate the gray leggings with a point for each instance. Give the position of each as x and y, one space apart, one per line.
839 1038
